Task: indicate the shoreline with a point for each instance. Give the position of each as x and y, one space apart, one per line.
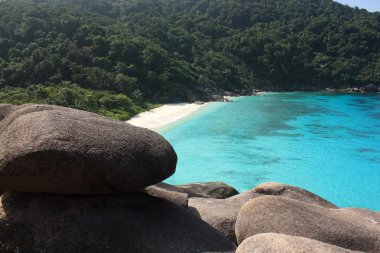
168 114
165 115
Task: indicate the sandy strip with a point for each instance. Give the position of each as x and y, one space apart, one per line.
164 115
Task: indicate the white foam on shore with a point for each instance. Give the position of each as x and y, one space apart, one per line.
164 115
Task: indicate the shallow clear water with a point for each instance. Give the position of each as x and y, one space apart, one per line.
326 143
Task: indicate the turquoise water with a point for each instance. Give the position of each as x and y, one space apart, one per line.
326 143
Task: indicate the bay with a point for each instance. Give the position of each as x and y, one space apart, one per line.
327 143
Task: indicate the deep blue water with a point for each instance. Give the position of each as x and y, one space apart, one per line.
326 143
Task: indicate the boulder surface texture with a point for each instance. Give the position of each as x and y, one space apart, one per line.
341 227
132 222
280 243
221 213
51 149
292 192
216 190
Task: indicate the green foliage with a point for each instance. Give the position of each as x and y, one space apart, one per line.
170 50
107 103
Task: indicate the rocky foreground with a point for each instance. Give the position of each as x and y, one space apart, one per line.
73 181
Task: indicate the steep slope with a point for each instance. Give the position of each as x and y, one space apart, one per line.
170 50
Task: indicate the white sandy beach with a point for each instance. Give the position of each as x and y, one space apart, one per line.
164 115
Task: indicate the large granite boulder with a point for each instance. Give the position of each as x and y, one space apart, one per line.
132 222
288 191
343 228
221 213
216 190
280 243
51 149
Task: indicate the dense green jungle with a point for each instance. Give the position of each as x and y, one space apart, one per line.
121 57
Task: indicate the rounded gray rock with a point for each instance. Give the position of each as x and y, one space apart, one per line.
340 227
174 188
221 213
132 222
51 149
292 192
216 190
280 243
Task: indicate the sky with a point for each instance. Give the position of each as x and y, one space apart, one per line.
370 5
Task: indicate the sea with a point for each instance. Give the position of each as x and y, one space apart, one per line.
327 143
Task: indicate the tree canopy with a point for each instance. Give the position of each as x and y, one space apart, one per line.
173 50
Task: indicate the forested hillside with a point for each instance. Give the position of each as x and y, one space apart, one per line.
116 57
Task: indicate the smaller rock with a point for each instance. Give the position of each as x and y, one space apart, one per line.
273 214
178 198
371 88
216 190
174 188
221 213
292 192
280 243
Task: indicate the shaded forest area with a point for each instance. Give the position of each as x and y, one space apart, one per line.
120 57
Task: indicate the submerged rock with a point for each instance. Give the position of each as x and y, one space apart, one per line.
280 243
133 222
292 192
51 149
343 228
